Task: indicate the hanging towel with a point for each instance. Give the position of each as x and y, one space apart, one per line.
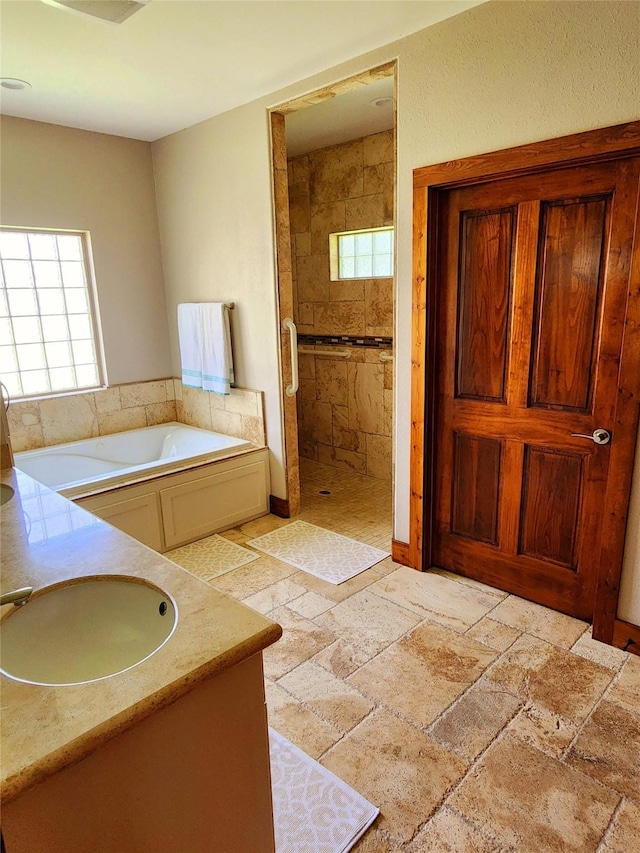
205 346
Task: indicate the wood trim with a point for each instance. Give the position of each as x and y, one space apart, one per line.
616 502
279 507
591 146
401 553
626 636
602 144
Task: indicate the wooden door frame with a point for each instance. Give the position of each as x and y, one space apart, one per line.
429 183
290 506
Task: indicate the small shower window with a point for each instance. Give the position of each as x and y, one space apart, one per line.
366 253
49 336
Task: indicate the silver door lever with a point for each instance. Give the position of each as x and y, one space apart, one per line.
599 436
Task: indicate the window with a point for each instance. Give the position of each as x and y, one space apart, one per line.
48 336
361 254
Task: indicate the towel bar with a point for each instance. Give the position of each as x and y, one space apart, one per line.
385 356
334 353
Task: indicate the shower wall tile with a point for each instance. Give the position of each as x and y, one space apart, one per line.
331 381
341 403
338 318
361 212
326 219
143 393
378 148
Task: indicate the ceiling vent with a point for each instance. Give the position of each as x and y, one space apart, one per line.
114 11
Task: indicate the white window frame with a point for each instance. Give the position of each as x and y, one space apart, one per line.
334 253
93 314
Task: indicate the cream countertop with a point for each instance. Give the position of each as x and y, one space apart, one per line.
47 539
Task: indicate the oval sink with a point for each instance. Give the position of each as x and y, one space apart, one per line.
85 630
6 493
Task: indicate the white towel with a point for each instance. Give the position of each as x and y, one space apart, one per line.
205 346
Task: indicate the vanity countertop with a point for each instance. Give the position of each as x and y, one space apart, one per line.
47 539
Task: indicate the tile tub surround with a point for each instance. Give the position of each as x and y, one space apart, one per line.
72 417
45 729
476 722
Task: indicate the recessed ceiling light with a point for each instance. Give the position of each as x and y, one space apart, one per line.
381 102
14 83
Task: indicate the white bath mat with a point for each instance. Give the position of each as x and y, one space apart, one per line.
322 553
313 810
208 558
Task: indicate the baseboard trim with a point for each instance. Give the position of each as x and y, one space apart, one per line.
401 553
279 507
626 636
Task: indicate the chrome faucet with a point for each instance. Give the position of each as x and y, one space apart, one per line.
18 597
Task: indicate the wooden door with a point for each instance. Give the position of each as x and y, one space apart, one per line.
533 275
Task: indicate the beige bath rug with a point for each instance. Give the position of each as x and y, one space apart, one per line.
322 553
208 558
313 810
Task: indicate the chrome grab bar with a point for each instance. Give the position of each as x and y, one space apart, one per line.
289 326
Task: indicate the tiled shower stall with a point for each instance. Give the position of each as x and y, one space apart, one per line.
344 403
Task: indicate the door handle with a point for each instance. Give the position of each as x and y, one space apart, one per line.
290 326
599 436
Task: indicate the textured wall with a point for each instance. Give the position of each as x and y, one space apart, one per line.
59 177
501 74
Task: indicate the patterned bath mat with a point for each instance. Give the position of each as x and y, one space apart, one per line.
319 552
313 810
208 558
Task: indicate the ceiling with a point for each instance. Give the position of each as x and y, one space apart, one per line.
177 62
342 118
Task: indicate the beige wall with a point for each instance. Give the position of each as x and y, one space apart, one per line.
58 177
500 74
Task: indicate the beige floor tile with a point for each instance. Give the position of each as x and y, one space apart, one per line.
311 604
375 841
368 622
493 634
386 567
279 593
301 639
422 674
450 832
341 658
399 769
330 697
541 728
551 677
624 834
290 718
260 526
540 621
608 748
533 803
626 688
337 592
598 652
474 584
255 576
474 721
436 597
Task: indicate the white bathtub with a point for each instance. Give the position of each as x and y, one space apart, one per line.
164 485
124 457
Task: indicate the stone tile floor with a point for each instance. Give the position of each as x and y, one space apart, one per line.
475 720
